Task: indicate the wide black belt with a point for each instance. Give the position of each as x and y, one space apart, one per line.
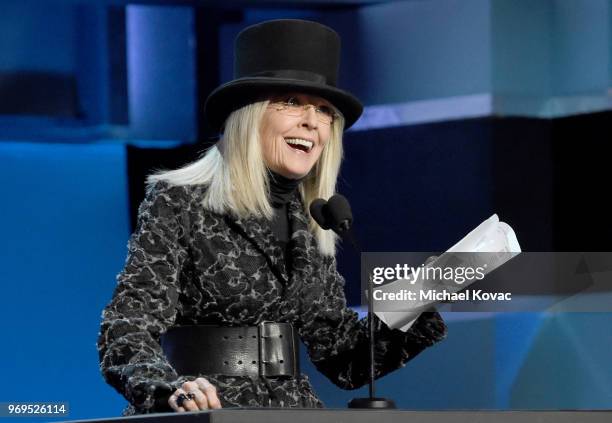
269 349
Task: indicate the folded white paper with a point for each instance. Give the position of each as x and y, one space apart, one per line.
491 236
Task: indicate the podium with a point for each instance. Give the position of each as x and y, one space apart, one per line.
327 415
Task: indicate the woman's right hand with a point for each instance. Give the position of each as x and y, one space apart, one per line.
195 395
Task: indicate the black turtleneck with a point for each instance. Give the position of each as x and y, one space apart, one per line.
282 190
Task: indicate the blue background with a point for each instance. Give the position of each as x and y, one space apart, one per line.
65 199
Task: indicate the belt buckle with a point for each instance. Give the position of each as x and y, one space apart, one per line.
261 347
279 360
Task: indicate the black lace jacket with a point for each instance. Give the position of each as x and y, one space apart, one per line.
186 265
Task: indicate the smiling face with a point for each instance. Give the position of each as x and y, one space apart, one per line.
291 145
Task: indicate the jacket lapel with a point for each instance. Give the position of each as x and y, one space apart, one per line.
302 245
257 231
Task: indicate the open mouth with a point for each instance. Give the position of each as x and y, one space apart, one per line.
299 144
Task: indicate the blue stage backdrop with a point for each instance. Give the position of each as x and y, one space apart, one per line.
65 221
69 185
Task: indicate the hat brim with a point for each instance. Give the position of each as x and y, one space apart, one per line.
240 92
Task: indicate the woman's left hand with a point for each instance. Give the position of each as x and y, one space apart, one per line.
195 395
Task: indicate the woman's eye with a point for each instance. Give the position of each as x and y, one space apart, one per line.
325 110
292 101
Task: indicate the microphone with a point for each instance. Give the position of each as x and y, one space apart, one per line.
340 211
321 217
336 215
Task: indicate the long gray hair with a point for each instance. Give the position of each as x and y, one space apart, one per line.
237 178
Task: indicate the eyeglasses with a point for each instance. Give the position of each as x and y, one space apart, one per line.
292 107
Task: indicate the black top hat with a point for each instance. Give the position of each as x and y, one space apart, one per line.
282 55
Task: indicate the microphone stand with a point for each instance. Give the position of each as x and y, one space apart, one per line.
371 401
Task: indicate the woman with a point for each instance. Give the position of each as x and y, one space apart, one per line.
225 260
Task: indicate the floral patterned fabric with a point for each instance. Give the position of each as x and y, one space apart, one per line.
187 265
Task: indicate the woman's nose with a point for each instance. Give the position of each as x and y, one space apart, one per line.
309 118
